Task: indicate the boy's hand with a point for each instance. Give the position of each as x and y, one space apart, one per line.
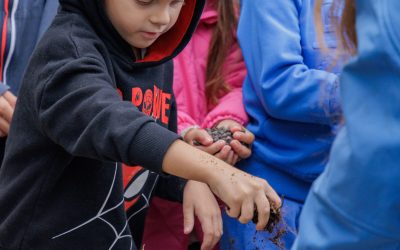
7 106
204 142
243 193
240 135
199 200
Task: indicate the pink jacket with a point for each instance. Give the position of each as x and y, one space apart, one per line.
190 77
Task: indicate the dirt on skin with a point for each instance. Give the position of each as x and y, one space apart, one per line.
275 225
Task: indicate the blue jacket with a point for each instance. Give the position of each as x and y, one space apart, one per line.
26 22
355 204
291 98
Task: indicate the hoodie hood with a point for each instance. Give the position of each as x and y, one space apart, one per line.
163 49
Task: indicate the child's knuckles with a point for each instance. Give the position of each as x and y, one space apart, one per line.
236 199
257 186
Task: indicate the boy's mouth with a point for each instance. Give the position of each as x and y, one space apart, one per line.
150 35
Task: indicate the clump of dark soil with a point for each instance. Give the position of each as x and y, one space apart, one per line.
275 225
222 133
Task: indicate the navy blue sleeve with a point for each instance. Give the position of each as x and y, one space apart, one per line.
170 187
79 109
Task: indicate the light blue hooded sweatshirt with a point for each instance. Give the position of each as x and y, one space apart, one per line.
355 203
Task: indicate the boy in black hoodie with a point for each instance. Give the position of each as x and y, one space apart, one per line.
97 93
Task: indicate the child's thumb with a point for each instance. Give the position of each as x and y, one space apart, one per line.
188 219
204 138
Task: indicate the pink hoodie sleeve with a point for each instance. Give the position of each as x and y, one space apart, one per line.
184 121
230 106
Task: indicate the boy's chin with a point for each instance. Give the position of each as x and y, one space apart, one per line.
142 44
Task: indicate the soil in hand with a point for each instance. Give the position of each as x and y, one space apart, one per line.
222 133
275 226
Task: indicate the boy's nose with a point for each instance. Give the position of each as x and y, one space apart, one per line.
161 17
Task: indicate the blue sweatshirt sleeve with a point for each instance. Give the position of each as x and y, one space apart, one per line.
271 39
355 202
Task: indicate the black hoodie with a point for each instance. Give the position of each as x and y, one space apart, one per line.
61 180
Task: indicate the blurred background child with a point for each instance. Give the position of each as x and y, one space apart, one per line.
22 23
355 202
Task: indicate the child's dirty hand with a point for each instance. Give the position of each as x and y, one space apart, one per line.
199 201
243 193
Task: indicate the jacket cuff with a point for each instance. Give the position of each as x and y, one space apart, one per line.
150 146
171 188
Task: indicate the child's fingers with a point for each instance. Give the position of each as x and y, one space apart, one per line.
209 234
246 137
214 223
241 150
263 208
246 214
233 211
213 148
6 110
218 225
223 154
230 157
237 128
235 159
4 127
273 196
203 138
199 136
188 219
11 99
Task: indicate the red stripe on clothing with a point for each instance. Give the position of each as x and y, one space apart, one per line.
3 39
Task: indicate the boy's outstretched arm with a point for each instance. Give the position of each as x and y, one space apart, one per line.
241 192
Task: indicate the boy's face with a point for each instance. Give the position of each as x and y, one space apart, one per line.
141 22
